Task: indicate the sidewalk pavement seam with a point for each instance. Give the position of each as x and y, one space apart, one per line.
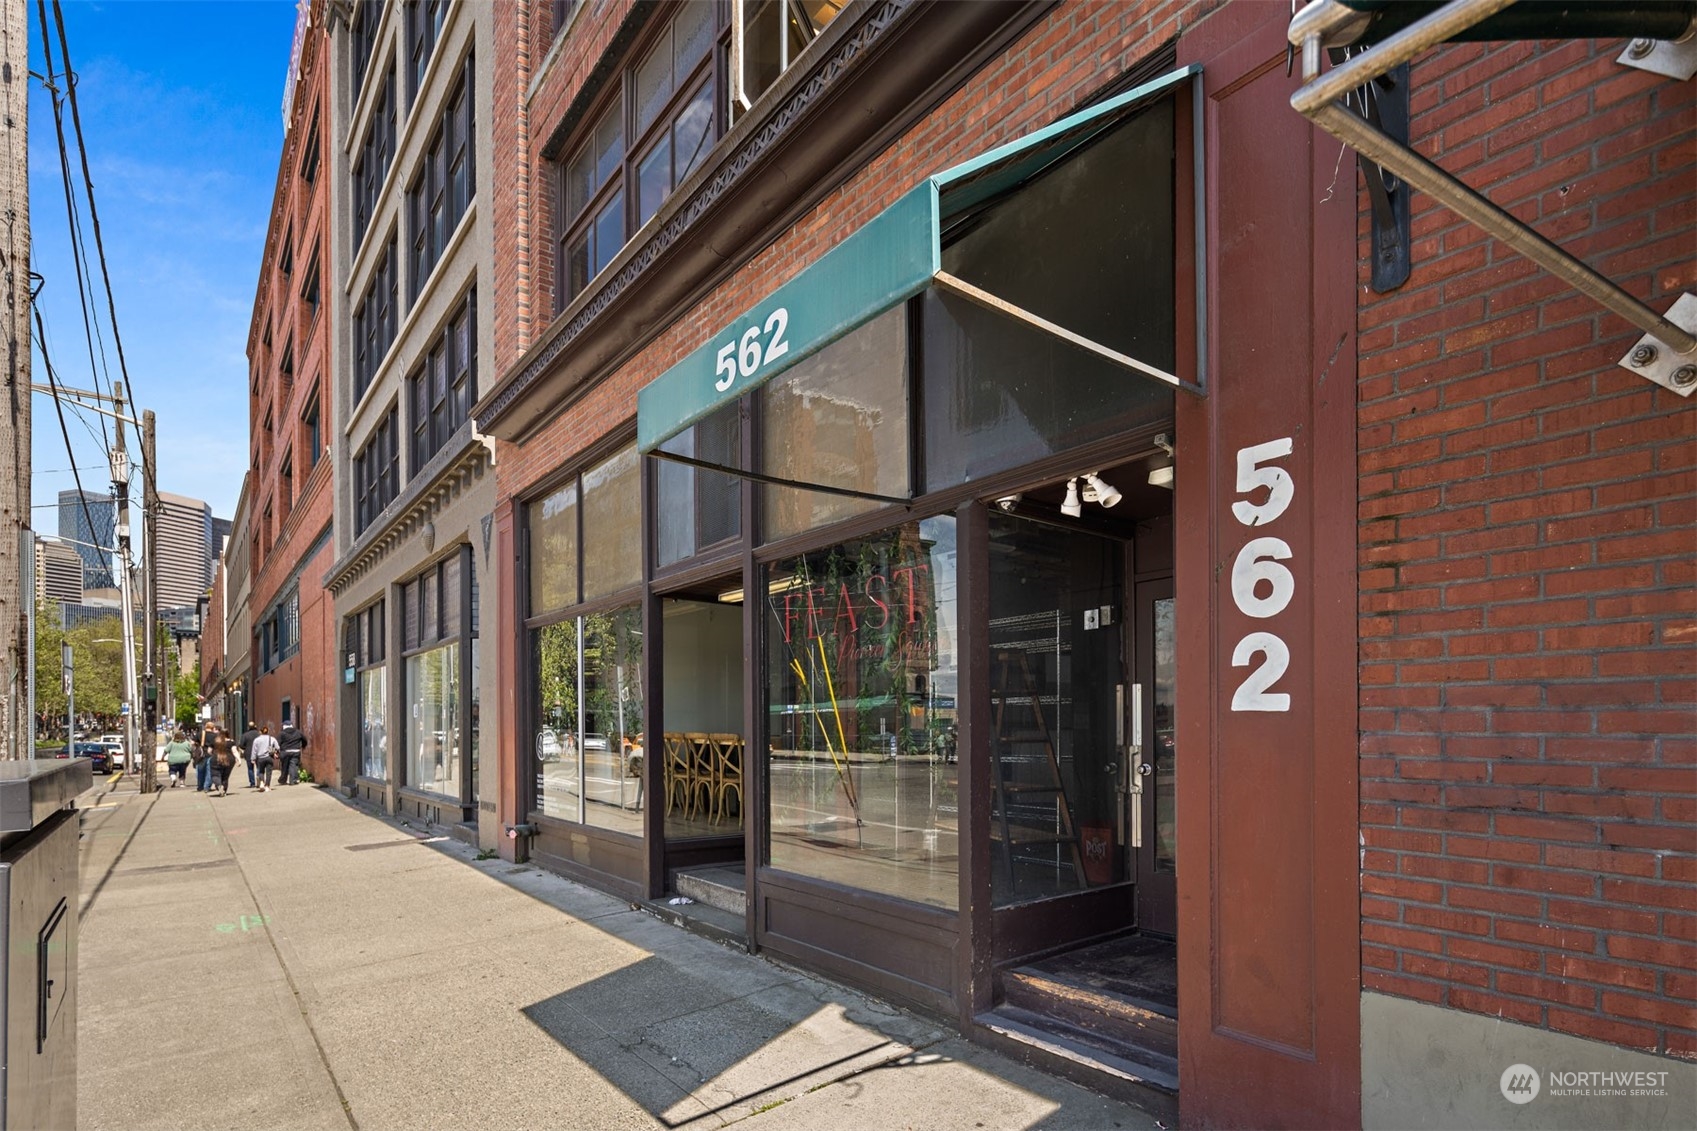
288 975
82 912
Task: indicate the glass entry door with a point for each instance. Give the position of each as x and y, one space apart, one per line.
1154 772
1057 735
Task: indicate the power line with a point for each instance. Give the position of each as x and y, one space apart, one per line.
148 473
78 253
59 409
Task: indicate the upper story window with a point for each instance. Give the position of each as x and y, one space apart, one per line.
286 253
377 471
309 158
286 486
363 39
309 289
286 363
444 386
446 182
312 430
375 320
424 26
563 10
641 147
371 165
772 33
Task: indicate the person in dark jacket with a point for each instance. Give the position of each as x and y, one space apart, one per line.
291 742
244 745
204 775
223 761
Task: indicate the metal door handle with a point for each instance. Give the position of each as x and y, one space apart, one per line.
1145 769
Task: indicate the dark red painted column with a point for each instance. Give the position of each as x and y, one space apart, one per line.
1269 971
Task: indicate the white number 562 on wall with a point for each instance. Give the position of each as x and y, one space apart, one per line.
1261 587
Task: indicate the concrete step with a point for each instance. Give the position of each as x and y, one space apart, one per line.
1147 1030
720 886
1074 1047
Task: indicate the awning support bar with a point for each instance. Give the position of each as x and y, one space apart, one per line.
1318 98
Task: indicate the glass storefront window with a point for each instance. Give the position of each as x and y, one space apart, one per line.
861 670
373 726
590 733
699 508
612 735
838 418
612 524
553 550
433 698
559 770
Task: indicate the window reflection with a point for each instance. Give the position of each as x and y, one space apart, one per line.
861 670
433 690
589 741
373 729
839 418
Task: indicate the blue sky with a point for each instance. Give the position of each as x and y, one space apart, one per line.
182 117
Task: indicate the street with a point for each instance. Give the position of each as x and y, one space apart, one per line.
286 960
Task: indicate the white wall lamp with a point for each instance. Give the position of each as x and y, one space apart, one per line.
1072 508
1096 491
1163 476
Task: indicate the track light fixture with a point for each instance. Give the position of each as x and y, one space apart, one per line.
1072 508
1163 476
1096 491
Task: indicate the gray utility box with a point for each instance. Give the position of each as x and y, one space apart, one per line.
38 940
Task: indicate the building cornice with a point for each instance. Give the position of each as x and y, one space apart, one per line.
449 475
868 82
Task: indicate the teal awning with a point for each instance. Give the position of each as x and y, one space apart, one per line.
891 258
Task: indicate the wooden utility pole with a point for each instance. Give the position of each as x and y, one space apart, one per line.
150 602
126 579
16 664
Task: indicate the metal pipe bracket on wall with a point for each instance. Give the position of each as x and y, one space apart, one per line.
1667 354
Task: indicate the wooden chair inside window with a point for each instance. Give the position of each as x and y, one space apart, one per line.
727 777
698 752
677 763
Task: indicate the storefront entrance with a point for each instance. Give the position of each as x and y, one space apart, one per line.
1083 773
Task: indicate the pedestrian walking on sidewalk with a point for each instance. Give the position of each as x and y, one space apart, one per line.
245 745
223 760
291 742
204 771
178 755
263 756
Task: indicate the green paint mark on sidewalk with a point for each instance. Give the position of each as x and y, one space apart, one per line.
246 923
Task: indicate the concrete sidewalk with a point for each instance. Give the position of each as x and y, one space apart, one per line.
286 960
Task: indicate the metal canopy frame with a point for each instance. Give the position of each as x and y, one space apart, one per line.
1668 353
897 255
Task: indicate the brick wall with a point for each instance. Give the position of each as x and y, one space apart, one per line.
300 208
1527 534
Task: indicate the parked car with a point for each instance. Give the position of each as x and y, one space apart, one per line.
93 751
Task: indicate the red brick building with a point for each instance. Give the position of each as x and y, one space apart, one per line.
227 636
1075 302
289 423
